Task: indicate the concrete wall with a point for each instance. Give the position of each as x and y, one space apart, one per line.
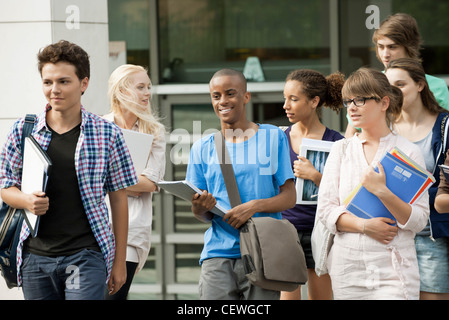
26 26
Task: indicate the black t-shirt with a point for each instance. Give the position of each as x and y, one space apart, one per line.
64 229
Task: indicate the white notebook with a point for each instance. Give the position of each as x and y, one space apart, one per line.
185 190
139 146
35 173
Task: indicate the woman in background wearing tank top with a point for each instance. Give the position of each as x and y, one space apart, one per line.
420 122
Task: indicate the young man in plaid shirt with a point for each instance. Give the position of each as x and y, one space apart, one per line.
75 253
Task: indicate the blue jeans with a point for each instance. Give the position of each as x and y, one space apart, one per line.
81 276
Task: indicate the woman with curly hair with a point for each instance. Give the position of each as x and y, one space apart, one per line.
305 93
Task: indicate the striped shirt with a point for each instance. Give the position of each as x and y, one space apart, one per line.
102 162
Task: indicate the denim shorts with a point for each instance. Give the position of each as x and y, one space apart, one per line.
433 261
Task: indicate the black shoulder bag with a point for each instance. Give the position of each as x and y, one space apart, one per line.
11 221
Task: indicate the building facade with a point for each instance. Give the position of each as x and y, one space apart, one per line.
183 42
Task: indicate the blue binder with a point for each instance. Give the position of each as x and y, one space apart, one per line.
403 179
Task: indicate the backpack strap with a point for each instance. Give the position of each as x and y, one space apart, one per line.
444 124
27 127
444 147
227 170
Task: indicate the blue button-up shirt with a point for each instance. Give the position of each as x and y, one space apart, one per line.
102 162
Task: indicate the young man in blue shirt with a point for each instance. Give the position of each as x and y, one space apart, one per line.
259 154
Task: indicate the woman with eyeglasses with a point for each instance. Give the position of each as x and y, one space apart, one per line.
421 123
370 258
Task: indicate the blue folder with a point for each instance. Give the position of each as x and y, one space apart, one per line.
402 179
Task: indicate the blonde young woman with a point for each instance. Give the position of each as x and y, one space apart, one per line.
305 94
420 122
370 258
129 95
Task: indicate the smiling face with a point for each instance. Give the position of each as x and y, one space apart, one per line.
297 105
229 98
62 87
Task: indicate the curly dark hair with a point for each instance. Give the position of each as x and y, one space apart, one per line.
315 84
65 51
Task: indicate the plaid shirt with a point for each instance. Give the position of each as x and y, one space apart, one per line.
102 162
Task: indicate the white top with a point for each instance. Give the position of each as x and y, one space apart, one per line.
140 209
343 172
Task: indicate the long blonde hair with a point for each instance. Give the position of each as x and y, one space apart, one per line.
121 96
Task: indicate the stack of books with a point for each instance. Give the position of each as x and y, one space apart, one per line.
404 177
445 170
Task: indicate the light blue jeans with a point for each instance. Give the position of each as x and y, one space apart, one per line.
81 276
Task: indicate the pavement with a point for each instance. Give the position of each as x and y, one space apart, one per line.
9 294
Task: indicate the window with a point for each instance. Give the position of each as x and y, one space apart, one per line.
357 48
128 21
197 37
433 25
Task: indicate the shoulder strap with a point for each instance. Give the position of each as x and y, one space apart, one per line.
227 170
27 127
444 124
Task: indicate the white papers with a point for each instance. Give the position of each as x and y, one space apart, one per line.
316 151
36 169
445 170
139 146
185 190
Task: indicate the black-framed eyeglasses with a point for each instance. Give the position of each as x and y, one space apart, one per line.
358 101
